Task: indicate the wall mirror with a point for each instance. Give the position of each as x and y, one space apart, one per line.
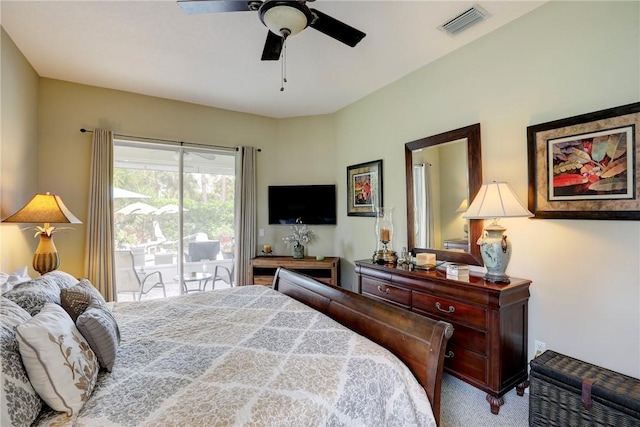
444 173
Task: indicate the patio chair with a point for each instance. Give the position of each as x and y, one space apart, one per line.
136 282
220 272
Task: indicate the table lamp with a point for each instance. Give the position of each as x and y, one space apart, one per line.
45 208
493 201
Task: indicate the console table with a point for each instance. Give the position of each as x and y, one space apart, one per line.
488 348
262 269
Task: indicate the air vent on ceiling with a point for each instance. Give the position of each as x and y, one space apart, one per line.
464 20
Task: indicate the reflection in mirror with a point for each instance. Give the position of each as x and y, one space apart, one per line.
443 173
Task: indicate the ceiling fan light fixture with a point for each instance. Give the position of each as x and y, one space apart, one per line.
285 15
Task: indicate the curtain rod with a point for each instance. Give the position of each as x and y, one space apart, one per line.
182 143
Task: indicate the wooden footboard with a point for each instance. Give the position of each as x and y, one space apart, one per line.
416 340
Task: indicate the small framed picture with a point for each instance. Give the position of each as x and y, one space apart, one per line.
584 167
364 188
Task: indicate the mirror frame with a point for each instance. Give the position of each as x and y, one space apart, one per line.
474 167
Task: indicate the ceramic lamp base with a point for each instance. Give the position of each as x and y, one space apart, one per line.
46 257
496 253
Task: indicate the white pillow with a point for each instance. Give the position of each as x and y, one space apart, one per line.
8 281
60 364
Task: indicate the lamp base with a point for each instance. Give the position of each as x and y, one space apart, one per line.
46 257
496 253
497 278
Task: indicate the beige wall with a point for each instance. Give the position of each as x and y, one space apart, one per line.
18 152
562 59
585 296
65 152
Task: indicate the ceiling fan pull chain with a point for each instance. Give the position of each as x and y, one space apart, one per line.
283 69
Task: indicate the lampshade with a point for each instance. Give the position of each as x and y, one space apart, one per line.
496 200
285 15
45 208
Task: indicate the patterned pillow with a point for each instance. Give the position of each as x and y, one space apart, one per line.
100 329
20 404
61 365
76 299
11 313
60 278
33 295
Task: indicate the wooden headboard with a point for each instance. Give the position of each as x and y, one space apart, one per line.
416 340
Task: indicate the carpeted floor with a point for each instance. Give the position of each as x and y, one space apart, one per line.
466 406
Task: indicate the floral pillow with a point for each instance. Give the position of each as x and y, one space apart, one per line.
59 361
19 402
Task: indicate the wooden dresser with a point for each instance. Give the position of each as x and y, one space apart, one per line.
489 345
262 269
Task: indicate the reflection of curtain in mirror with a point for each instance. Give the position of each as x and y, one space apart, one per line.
422 201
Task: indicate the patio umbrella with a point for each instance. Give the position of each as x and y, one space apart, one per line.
120 193
137 208
170 208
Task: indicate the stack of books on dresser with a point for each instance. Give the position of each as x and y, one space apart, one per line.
458 272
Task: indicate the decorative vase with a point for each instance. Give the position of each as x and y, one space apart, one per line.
46 257
298 251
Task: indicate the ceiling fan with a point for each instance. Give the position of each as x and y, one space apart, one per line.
283 18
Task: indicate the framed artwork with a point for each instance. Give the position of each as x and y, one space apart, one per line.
364 188
584 167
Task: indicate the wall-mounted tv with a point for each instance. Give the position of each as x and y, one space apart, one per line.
312 204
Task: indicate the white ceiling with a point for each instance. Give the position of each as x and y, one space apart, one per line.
152 47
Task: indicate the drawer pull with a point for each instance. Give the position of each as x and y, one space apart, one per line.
449 354
439 307
383 291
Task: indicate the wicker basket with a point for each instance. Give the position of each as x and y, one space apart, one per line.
556 395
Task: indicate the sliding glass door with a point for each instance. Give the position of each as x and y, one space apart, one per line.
174 210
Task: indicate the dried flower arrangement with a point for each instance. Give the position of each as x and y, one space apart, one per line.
298 234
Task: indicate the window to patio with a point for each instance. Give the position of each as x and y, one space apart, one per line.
174 214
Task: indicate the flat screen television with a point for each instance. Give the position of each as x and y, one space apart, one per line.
312 204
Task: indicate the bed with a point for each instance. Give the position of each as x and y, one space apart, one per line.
254 355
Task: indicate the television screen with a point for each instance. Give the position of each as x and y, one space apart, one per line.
312 204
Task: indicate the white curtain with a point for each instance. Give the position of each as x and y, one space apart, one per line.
245 212
424 226
99 262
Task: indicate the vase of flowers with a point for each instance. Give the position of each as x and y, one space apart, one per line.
298 235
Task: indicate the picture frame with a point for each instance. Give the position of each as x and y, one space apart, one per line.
364 188
584 167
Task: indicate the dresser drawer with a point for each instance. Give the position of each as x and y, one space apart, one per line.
466 363
449 310
385 291
469 338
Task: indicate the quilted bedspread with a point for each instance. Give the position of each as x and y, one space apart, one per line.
247 356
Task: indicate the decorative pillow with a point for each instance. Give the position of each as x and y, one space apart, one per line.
60 278
100 329
8 281
76 299
34 294
19 402
60 364
11 313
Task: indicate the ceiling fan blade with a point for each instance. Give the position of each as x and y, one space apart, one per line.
192 7
336 29
272 47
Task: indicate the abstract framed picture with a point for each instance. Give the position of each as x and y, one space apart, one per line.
584 167
364 188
